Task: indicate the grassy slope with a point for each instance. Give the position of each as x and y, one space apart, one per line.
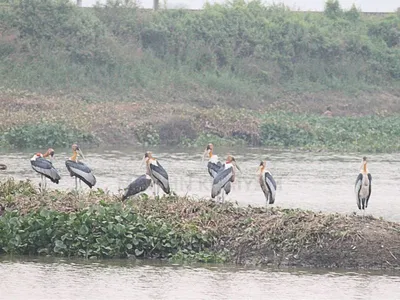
181 228
111 85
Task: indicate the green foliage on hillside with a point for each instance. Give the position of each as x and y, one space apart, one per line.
238 49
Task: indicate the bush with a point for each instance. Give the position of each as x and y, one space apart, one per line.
45 135
370 133
106 231
240 50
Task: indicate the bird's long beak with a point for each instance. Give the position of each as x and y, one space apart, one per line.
142 162
80 153
237 167
204 155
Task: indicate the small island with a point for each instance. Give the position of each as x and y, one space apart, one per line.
98 225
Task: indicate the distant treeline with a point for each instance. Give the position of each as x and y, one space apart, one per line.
237 45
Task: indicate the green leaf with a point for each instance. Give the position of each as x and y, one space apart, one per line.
60 244
138 252
83 230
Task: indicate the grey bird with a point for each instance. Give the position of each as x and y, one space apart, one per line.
45 168
267 183
363 186
78 169
137 186
224 176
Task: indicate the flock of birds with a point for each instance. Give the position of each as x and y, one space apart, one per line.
223 174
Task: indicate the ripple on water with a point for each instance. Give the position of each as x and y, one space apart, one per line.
124 279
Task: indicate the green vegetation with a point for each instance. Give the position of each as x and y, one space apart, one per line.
98 225
370 133
122 75
44 135
233 50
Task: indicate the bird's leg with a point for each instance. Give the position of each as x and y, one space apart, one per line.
80 184
222 196
76 183
158 190
154 189
45 183
41 183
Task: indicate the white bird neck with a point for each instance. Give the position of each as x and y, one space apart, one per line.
34 157
213 158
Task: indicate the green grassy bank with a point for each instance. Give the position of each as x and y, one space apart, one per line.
226 52
98 225
119 75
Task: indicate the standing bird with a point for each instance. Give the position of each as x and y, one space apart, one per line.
78 169
140 184
45 168
157 173
224 176
214 165
267 183
363 186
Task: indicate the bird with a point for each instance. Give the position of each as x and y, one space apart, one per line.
224 176
157 173
45 168
214 165
363 186
3 167
267 183
78 169
140 184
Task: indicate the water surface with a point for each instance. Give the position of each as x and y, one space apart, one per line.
315 181
68 279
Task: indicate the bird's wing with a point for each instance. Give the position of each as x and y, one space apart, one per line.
45 167
82 171
222 178
41 163
161 175
357 189
271 184
139 185
214 168
227 188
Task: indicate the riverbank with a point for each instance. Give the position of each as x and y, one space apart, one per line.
169 78
31 120
98 225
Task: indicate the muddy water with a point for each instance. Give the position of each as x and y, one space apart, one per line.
62 279
315 181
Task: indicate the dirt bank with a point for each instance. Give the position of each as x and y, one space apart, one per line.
151 121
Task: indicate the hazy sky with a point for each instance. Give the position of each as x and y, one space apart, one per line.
318 5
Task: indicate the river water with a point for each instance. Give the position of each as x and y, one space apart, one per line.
314 181
124 279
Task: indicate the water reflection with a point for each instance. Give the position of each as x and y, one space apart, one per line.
125 279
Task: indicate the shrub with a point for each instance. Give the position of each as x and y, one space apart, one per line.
45 135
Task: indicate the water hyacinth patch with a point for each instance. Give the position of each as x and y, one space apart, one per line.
98 225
